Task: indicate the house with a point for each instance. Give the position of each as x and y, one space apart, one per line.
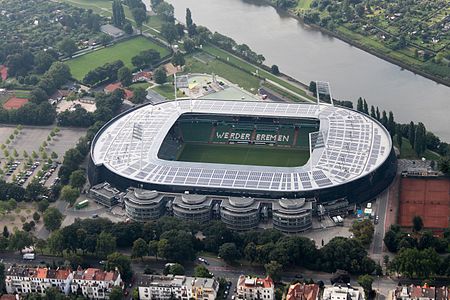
342 292
255 288
24 280
418 292
94 283
177 287
142 76
302 291
117 85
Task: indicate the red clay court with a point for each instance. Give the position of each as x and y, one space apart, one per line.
15 103
425 197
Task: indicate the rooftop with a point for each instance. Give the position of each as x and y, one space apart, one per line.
348 146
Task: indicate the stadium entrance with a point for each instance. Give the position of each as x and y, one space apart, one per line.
239 140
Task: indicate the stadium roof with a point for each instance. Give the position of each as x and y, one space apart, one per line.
349 145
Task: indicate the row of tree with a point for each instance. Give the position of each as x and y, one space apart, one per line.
175 240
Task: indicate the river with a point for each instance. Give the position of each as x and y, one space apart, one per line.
307 54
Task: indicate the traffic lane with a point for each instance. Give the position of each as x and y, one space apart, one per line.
377 245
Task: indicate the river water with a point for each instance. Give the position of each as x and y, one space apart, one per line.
307 54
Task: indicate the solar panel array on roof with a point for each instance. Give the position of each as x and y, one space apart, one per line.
347 146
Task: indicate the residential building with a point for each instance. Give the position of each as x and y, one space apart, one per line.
302 291
342 292
24 280
255 288
177 287
128 94
94 283
425 292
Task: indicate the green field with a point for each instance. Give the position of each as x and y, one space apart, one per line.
123 51
244 155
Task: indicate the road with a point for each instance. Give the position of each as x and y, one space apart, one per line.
381 208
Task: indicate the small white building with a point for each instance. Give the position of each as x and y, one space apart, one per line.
255 288
342 292
177 287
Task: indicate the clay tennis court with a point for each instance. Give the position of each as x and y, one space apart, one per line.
425 197
14 103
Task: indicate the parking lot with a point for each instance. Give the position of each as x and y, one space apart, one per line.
29 152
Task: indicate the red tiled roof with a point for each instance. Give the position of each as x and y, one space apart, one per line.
8 297
63 274
41 272
300 291
15 103
3 72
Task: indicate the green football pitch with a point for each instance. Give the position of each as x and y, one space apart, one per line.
244 155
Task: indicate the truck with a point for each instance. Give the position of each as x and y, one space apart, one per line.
29 256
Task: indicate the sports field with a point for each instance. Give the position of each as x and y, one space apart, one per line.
123 51
244 155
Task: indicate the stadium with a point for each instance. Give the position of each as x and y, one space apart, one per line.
242 161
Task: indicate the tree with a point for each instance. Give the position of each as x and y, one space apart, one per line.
52 218
2 277
359 105
5 232
229 252
189 45
178 59
139 95
68 47
273 269
175 269
365 281
160 75
106 244
166 11
202 272
312 87
36 216
118 18
42 205
116 293
275 70
140 248
20 240
55 242
417 223
363 231
191 27
125 76
444 165
43 61
169 32
122 263
153 248
411 133
77 179
69 194
128 28
420 144
250 252
139 16
35 190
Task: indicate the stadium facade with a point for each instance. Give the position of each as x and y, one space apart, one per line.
350 157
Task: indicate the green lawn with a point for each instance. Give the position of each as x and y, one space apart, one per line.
252 68
22 93
244 155
232 74
124 51
304 4
104 8
165 90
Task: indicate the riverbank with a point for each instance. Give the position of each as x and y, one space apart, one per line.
363 47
